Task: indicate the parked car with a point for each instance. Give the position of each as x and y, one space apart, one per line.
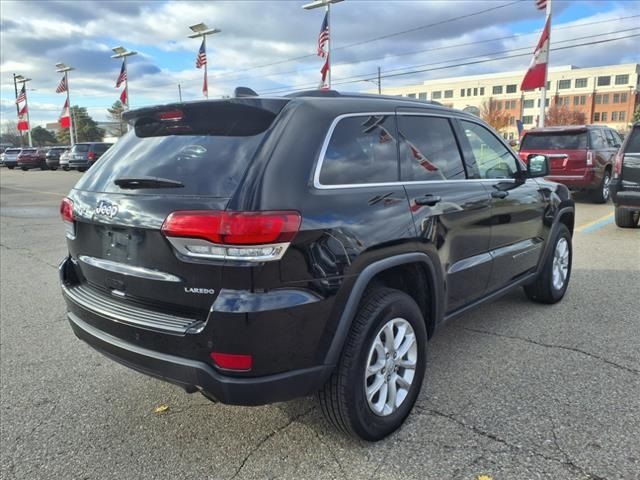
32 158
53 157
64 160
83 155
625 186
581 156
262 249
10 157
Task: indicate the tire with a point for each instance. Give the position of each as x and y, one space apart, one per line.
66 169
11 168
603 192
626 218
24 169
82 169
545 289
53 169
343 399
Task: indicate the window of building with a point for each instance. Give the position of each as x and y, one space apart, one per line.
596 117
362 149
436 95
564 84
576 100
565 101
428 149
498 105
513 104
475 92
462 92
616 98
481 91
468 92
581 83
549 85
604 81
512 88
512 121
622 116
605 98
603 116
623 98
528 103
496 90
598 99
411 95
614 116
448 94
583 99
546 102
622 79
527 119
493 159
422 95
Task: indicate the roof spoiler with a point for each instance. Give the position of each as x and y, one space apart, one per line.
240 92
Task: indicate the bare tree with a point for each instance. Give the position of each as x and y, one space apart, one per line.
499 119
563 115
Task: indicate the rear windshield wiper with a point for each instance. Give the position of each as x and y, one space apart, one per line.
147 182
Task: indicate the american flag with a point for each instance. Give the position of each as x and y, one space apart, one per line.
201 59
62 86
22 96
323 38
541 4
122 77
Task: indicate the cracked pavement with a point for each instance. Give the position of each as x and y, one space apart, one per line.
514 390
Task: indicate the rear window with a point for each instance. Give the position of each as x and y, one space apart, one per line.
12 150
28 150
554 141
80 148
101 147
633 145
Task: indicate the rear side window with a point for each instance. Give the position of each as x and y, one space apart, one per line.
361 150
554 141
80 148
598 139
633 144
428 149
101 147
493 158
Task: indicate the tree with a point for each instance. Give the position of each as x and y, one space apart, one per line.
115 113
497 118
41 137
10 134
563 115
85 128
636 114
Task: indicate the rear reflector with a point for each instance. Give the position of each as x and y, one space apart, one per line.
66 212
230 361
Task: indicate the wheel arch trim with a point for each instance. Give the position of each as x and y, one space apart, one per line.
362 282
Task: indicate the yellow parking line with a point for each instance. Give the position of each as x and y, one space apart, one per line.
600 221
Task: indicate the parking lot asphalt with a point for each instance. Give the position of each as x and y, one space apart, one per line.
514 390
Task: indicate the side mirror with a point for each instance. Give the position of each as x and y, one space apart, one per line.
537 165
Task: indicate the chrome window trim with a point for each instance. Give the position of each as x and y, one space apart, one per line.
325 145
131 270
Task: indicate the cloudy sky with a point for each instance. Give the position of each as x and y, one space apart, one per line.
270 45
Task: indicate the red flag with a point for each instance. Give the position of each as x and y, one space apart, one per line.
536 76
123 98
205 87
324 71
23 124
65 117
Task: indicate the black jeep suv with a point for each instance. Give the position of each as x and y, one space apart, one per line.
261 249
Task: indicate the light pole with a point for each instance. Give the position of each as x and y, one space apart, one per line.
201 30
62 68
15 87
23 81
123 53
327 5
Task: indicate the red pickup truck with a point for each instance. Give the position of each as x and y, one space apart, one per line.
581 156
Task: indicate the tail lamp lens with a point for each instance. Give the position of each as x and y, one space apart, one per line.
250 236
91 155
230 361
617 166
66 212
589 157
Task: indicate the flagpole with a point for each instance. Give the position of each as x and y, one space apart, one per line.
543 91
206 80
66 81
329 45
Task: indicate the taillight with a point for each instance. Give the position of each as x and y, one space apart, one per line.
248 236
617 166
232 361
589 157
91 156
66 212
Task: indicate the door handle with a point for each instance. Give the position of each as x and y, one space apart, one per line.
499 194
429 200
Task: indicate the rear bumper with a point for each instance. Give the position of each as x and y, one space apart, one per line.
193 375
624 198
53 162
586 180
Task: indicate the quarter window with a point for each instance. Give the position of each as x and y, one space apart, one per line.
597 139
362 150
493 159
428 149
